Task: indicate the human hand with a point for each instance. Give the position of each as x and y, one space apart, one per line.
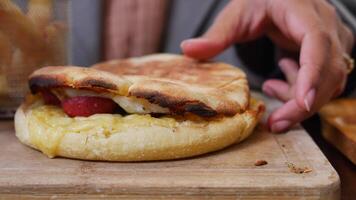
310 27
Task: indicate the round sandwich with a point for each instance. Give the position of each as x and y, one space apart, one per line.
155 107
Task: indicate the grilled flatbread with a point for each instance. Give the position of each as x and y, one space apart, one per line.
177 83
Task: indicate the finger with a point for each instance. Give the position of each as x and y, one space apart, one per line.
202 48
286 116
304 29
291 113
238 21
282 90
314 57
219 36
339 76
290 69
343 41
277 89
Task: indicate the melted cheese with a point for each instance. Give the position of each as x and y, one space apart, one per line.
137 105
48 124
129 104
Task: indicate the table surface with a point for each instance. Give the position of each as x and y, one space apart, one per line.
345 168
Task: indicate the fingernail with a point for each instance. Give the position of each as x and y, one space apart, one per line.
280 126
184 43
188 42
309 99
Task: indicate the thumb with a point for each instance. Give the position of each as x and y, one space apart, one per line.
231 25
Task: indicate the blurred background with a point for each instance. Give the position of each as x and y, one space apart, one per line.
32 34
36 33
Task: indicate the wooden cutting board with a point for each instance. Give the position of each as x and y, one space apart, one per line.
229 174
339 126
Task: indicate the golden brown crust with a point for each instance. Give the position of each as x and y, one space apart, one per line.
211 86
74 77
175 82
141 142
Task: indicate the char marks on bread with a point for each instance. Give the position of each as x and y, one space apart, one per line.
177 83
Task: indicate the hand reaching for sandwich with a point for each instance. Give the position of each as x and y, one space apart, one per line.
310 27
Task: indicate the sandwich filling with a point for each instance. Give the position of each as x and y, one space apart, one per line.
85 103
49 119
48 124
128 104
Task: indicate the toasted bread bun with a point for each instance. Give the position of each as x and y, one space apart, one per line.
134 137
177 83
204 106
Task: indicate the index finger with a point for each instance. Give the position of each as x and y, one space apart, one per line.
286 116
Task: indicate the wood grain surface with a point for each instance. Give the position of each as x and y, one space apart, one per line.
339 126
227 174
340 140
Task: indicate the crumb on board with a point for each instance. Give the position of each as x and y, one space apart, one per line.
298 170
260 162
